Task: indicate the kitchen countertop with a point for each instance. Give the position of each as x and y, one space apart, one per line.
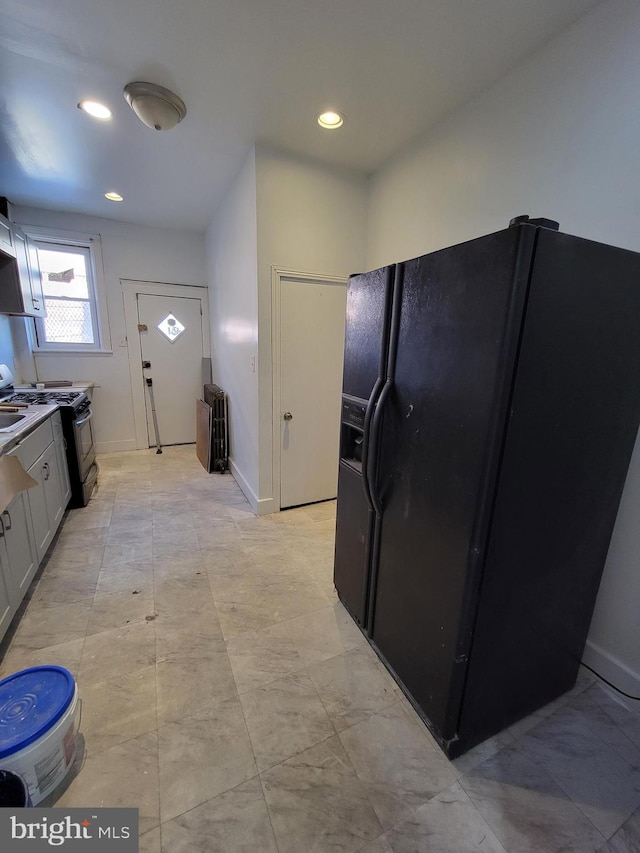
36 415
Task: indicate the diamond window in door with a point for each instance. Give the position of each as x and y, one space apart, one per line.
171 328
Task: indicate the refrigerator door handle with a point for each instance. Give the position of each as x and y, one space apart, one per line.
366 439
373 452
394 334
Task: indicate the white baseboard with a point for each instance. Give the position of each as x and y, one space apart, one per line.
266 506
612 668
260 507
246 488
116 446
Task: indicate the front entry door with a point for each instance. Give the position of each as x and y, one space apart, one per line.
312 316
171 341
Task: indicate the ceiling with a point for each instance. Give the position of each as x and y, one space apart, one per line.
249 71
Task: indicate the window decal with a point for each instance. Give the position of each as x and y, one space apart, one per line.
171 328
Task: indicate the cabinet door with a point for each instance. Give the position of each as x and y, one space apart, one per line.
52 487
42 528
29 275
36 307
20 547
6 237
6 608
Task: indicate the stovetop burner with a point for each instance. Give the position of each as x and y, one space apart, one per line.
43 398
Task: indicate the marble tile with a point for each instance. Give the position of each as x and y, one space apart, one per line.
323 634
87 518
116 609
175 545
352 686
187 565
186 686
380 845
63 586
258 658
184 637
64 654
125 775
611 718
151 842
527 811
582 751
627 838
68 539
245 605
86 555
396 765
126 549
119 709
52 626
184 594
316 802
117 652
448 823
202 756
124 577
234 822
285 717
485 750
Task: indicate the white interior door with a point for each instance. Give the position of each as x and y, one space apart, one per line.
312 316
171 341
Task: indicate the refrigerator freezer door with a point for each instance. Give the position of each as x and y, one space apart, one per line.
369 298
439 448
366 332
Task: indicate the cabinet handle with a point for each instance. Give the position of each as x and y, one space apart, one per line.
45 468
1 527
8 527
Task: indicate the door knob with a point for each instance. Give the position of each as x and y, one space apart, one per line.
288 416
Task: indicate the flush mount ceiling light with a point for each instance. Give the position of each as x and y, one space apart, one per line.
95 109
155 106
113 196
330 120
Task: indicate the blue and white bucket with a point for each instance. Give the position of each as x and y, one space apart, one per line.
39 709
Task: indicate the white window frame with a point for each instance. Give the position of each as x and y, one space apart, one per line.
97 295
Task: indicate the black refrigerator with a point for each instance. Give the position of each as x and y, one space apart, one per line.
491 401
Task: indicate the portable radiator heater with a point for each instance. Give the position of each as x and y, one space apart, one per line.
212 444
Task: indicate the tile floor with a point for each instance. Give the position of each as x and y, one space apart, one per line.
227 695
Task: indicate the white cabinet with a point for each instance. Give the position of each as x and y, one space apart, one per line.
6 236
6 609
17 551
29 523
40 456
20 278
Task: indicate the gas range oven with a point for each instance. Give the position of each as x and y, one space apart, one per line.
77 429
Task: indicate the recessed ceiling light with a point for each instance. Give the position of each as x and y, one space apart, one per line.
95 109
330 120
113 196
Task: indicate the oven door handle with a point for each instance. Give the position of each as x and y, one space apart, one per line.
84 420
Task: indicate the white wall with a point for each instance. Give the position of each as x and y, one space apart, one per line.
233 297
557 137
310 219
128 252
